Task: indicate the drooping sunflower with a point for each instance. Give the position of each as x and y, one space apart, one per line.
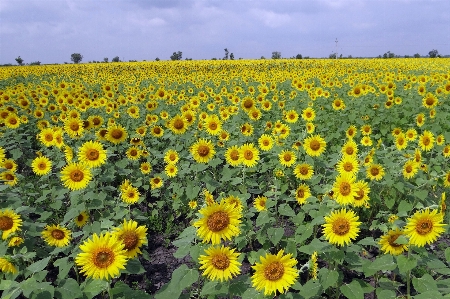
202 150
362 194
132 236
171 157
287 158
10 222
375 172
76 176
410 168
341 227
388 245
219 221
56 235
220 263
250 154
116 134
41 165
130 195
344 189
9 177
275 273
348 164
81 219
260 203
156 182
9 164
426 140
233 156
313 266
234 201
92 154
302 193
314 146
6 266
303 171
424 227
102 256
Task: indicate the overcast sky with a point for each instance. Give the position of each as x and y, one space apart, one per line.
51 30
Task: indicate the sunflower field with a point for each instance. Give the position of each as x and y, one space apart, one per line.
268 178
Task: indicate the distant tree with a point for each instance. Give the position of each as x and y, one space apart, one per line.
262 57
433 53
407 56
35 63
231 56
105 59
76 57
176 55
306 57
276 55
350 57
226 54
214 58
19 61
157 59
298 56
417 55
332 56
115 59
388 54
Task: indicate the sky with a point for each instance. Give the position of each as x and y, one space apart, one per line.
49 31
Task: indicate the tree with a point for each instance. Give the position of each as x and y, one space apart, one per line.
115 59
388 54
262 57
298 56
276 55
19 61
231 56
433 53
226 54
76 57
105 59
157 59
176 55
35 63
417 55
332 56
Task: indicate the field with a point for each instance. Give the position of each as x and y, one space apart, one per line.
225 179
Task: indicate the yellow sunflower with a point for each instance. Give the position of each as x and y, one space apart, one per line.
411 134
202 150
220 263
133 153
92 154
157 131
424 227
388 245
171 170
351 132
56 235
81 219
213 125
348 164
440 139
291 116
430 101
9 164
302 193
171 157
426 140
446 151
76 176
362 194
132 236
410 168
447 179
10 222
130 194
265 142
116 134
9 178
218 221
303 171
375 172
145 167
260 203
41 165
314 146
287 158
308 114
341 227
47 137
6 266
344 189
233 156
15 241
420 119
178 124
275 273
250 154
74 127
102 256
156 182
12 121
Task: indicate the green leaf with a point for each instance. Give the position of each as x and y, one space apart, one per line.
38 266
64 267
192 191
128 293
275 234
182 278
40 289
421 194
263 218
16 153
286 210
352 290
303 232
424 284
310 289
68 288
447 254
368 241
134 267
94 287
328 278
251 293
404 208
383 263
405 264
385 294
238 285
429 294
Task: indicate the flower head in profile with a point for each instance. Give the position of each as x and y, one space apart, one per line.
388 244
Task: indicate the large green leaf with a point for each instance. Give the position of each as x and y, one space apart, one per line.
182 278
68 288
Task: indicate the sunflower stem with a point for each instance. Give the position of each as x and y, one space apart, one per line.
408 277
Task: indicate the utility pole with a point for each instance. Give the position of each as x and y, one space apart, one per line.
336 47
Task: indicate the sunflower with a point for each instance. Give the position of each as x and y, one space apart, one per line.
213 125
15 241
308 114
411 134
388 244
424 227
218 221
302 193
171 157
366 141
366 130
310 128
202 150
344 189
303 171
178 124
447 179
446 151
145 167
250 154
338 104
156 182
171 170
348 164
314 145
426 140
133 153
429 101
74 127
9 178
291 116
410 168
265 142
41 165
275 273
193 204
220 263
440 139
287 158
362 194
375 172
10 222
116 134
401 142
56 235
46 137
420 119
350 148
9 164
81 219
130 194
12 121
132 237
92 154
6 266
102 256
351 132
341 227
247 129
76 176
157 131
260 203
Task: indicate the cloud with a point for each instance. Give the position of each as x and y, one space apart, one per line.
270 18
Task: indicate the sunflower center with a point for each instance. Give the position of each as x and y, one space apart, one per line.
300 193
248 104
74 126
103 258
133 152
430 101
349 151
9 177
234 155
116 134
304 170
96 121
92 154
274 271
213 126
58 234
401 141
42 166
392 240
287 158
424 226
156 130
360 194
345 188
178 124
248 155
6 223
426 140
374 171
220 261
77 175
203 150
341 227
80 218
130 239
48 137
348 166
314 145
218 221
409 169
